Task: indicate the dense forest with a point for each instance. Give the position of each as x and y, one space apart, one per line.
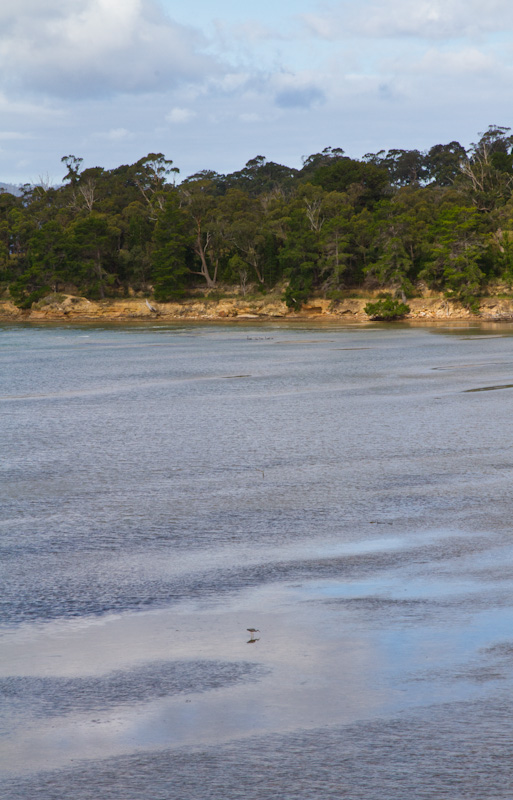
394 220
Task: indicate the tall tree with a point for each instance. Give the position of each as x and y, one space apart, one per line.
150 176
443 163
487 172
94 244
456 252
199 204
170 268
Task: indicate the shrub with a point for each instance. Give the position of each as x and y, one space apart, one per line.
387 309
23 298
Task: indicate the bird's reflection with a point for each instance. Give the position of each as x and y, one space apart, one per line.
252 632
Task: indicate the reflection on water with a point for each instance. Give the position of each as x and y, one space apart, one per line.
338 498
457 751
56 696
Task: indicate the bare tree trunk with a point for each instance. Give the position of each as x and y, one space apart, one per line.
88 191
99 272
254 264
243 278
200 249
313 213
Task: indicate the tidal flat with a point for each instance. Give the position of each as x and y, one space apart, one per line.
343 490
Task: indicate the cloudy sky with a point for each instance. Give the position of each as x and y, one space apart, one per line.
212 85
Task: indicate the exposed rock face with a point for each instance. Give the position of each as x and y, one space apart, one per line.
61 307
9 311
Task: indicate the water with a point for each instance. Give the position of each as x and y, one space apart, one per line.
345 490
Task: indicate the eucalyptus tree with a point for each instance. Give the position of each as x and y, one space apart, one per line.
172 247
200 206
243 223
455 258
404 167
301 256
313 162
367 183
443 163
150 174
260 176
400 242
487 172
94 252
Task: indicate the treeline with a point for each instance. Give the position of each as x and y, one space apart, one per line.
392 220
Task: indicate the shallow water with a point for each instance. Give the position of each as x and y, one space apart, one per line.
345 490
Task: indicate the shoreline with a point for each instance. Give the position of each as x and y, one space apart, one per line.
55 308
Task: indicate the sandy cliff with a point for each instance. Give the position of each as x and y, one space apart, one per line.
68 307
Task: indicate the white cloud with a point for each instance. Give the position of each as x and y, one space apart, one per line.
423 19
80 48
437 19
115 134
233 81
326 26
13 136
468 61
178 116
24 108
249 31
250 117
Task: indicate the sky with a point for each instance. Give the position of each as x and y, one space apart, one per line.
212 85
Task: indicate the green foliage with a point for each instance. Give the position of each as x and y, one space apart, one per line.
23 297
170 270
393 266
297 293
404 167
370 182
93 248
260 176
339 225
337 295
443 163
238 271
455 255
387 309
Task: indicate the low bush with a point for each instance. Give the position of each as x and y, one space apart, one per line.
387 309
